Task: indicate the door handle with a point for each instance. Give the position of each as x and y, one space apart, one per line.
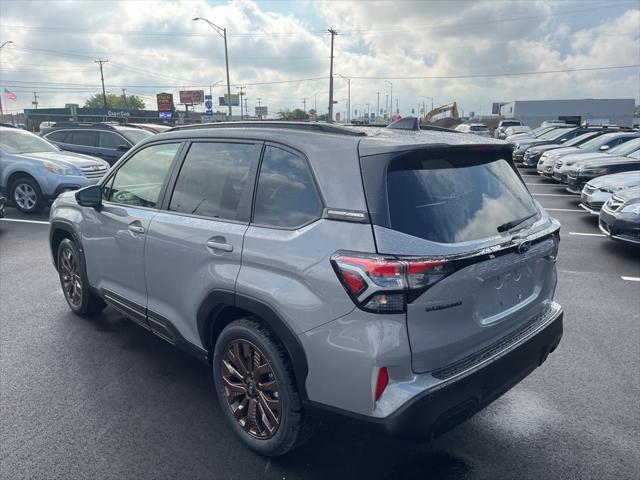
136 228
219 245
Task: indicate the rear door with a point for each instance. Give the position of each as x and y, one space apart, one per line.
469 208
81 141
194 244
111 146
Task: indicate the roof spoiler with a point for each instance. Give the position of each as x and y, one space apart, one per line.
406 123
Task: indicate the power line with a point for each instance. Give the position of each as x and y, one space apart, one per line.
506 74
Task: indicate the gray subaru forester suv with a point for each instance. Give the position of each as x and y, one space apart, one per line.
398 277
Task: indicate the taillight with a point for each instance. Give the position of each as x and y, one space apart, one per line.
381 384
384 284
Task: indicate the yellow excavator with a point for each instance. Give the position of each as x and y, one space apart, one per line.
451 107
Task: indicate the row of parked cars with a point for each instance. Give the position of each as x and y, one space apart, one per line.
34 169
599 163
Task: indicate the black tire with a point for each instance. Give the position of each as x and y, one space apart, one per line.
26 195
86 302
293 429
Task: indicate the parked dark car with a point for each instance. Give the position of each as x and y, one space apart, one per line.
620 216
554 135
582 172
103 140
557 137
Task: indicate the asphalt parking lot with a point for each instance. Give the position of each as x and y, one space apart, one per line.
101 398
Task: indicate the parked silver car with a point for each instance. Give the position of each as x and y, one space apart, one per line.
34 171
620 217
475 128
598 191
403 278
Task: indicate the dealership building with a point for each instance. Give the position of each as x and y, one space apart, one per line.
613 111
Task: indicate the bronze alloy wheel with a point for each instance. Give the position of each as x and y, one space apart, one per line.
70 276
251 389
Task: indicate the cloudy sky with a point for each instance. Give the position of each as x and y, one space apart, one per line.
474 52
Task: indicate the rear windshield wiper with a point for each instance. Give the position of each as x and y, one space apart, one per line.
505 227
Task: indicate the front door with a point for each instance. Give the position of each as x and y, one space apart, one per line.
113 236
194 245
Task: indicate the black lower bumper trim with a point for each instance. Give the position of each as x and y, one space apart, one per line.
435 412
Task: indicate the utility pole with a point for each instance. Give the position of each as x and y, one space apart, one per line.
378 109
333 34
315 102
104 94
397 109
124 97
304 104
35 100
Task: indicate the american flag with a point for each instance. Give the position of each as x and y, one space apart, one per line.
10 95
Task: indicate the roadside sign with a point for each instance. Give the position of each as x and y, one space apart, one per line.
191 97
208 103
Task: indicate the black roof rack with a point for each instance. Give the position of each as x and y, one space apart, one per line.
105 125
311 126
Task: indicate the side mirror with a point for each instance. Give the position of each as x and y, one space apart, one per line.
123 148
604 147
562 140
90 196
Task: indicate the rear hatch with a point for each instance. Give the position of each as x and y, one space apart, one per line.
467 208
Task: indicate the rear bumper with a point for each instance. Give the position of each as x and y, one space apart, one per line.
437 410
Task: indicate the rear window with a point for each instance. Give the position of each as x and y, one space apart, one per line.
450 201
509 124
478 128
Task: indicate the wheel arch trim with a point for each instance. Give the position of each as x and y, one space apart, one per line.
216 302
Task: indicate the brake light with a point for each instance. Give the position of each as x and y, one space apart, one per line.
384 284
381 384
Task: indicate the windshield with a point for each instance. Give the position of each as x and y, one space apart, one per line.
595 143
626 148
134 135
580 138
20 141
451 201
555 134
538 132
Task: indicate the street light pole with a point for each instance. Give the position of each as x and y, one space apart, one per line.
333 34
348 95
223 33
391 85
1 112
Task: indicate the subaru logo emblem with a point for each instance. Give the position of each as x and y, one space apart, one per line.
524 247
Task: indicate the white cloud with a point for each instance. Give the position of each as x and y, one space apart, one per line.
268 43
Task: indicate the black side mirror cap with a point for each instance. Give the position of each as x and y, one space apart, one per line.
90 196
123 148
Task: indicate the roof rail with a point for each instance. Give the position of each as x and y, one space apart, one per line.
311 126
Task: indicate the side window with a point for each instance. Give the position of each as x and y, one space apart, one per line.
216 180
286 195
58 136
83 137
111 140
139 181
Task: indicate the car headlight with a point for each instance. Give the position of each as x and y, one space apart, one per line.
60 170
633 208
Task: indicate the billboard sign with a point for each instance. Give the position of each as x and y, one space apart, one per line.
191 97
165 115
165 102
208 104
261 111
235 100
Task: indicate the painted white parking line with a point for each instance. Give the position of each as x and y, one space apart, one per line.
631 279
588 234
554 195
23 221
565 210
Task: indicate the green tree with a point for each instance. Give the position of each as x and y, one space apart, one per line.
133 102
297 114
